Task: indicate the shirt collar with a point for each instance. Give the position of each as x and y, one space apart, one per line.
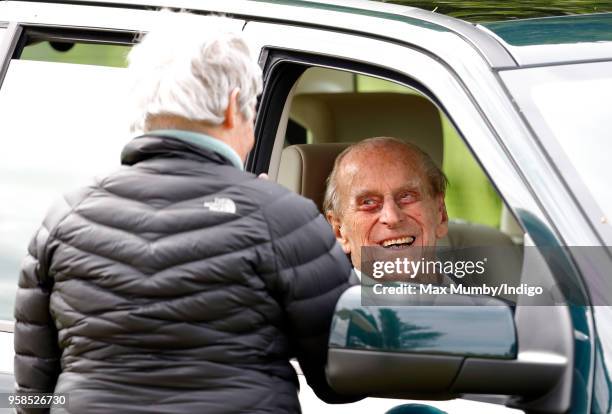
202 140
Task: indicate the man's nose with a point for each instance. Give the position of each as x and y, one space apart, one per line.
391 214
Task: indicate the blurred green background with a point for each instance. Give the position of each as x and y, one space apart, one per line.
495 10
82 53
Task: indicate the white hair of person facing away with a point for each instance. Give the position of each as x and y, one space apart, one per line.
187 66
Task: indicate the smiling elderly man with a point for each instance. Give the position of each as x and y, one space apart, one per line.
385 192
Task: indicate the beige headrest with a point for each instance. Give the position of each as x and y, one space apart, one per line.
351 117
304 168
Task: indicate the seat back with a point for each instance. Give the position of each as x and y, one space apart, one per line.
304 168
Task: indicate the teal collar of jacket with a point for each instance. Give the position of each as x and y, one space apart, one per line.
201 140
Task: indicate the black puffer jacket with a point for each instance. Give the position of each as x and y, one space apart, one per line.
147 292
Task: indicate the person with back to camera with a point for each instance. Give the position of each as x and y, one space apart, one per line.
180 283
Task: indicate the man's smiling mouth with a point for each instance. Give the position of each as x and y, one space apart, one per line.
398 243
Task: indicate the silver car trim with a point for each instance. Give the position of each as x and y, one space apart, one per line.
493 49
7 47
7 326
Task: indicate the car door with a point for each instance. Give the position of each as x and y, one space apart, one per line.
465 89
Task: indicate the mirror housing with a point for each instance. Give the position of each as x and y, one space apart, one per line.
462 345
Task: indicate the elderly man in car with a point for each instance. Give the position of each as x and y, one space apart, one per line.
385 192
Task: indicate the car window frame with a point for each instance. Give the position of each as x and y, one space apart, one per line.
278 81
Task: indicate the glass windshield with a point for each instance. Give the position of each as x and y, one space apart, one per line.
569 109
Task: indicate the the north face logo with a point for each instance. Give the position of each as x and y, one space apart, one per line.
221 205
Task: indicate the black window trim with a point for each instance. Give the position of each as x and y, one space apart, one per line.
34 33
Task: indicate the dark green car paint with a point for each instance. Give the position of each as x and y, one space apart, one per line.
555 30
579 314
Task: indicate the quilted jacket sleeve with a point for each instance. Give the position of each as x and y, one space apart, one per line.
312 272
37 354
36 351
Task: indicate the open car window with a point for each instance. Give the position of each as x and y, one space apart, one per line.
328 109
333 106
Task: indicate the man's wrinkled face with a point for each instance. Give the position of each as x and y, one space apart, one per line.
385 200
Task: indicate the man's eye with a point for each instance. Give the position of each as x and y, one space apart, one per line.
368 203
407 198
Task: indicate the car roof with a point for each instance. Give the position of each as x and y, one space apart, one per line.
510 44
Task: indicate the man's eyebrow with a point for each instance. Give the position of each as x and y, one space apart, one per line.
365 193
411 187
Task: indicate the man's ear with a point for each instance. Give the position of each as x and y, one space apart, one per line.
338 232
442 225
231 112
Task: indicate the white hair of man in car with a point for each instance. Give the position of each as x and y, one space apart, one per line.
385 192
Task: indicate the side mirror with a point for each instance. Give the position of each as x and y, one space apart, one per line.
463 344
